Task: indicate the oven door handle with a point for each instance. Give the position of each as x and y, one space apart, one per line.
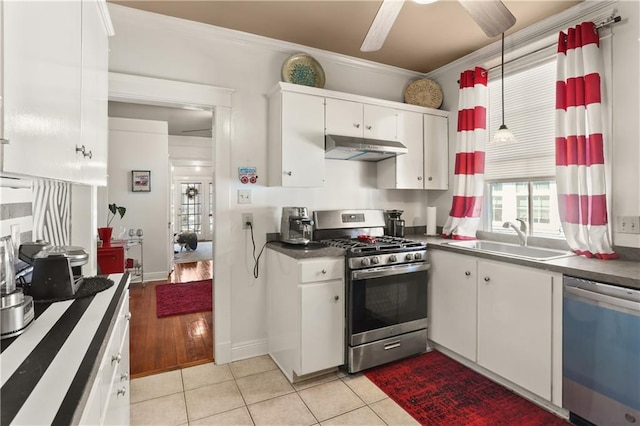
386 271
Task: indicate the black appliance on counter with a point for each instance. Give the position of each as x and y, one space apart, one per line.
55 271
386 286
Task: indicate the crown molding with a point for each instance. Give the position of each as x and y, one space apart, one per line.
201 30
532 38
106 18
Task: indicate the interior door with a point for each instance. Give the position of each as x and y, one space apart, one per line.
193 207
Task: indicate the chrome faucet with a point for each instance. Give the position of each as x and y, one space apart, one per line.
522 232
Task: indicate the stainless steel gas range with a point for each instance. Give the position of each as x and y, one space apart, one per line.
386 291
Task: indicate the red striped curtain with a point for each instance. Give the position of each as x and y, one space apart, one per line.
464 217
580 167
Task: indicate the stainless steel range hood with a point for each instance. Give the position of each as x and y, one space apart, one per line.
361 149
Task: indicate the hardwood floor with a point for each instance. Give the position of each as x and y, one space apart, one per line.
164 344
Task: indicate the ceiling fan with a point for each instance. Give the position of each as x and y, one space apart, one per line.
492 16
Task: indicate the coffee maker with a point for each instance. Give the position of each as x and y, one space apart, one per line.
394 224
296 227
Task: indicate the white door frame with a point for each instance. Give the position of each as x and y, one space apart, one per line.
159 92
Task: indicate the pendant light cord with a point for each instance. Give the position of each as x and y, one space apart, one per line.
502 79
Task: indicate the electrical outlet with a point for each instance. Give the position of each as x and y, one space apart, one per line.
247 217
629 224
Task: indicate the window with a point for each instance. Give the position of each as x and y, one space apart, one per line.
520 180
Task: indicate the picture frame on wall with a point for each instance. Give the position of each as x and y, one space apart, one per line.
141 180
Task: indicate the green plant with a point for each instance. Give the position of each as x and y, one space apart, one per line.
115 209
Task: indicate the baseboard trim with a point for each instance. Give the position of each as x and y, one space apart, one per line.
249 349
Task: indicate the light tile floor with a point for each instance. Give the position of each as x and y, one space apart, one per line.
255 392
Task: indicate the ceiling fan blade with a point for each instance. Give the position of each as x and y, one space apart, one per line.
492 16
381 25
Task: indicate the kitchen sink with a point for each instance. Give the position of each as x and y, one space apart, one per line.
512 250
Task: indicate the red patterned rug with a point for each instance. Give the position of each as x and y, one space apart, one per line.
437 390
183 298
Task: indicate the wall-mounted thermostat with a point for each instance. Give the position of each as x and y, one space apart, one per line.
248 174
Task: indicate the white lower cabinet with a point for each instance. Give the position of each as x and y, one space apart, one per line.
514 324
502 316
109 398
305 311
453 302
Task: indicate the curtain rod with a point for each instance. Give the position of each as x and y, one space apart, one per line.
609 21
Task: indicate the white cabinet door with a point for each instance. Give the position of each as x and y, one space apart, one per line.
344 118
322 325
514 324
94 128
453 302
302 140
436 152
380 123
404 171
42 77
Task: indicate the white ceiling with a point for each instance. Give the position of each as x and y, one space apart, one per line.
181 122
423 37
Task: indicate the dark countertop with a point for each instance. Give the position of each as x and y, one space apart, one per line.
310 251
48 371
619 272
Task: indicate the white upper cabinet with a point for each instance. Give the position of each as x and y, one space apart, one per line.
436 152
94 126
55 89
347 118
405 171
296 140
426 165
42 83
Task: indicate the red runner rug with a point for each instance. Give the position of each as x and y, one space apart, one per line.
437 390
183 298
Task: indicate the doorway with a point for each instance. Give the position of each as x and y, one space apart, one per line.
154 91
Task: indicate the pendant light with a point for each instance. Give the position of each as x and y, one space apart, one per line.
503 135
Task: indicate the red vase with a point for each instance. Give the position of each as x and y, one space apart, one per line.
105 236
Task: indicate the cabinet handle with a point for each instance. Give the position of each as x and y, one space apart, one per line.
80 149
336 298
127 316
356 125
430 178
116 358
369 127
419 177
288 173
88 154
487 279
467 273
324 271
121 391
124 376
4 141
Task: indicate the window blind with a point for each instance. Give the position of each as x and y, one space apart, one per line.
530 114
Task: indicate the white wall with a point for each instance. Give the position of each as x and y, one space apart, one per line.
141 145
625 100
190 148
202 54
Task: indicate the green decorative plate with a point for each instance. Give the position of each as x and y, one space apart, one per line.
303 69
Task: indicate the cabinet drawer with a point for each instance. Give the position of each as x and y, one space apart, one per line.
321 270
111 260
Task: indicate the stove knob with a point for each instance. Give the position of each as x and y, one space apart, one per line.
393 258
418 256
365 261
409 256
375 260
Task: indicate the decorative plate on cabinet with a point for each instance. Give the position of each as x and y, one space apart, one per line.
424 92
303 69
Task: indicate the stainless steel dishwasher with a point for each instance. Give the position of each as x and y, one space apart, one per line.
601 353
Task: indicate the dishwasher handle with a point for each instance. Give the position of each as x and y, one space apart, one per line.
620 297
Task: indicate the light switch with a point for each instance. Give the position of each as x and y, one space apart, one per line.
244 196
